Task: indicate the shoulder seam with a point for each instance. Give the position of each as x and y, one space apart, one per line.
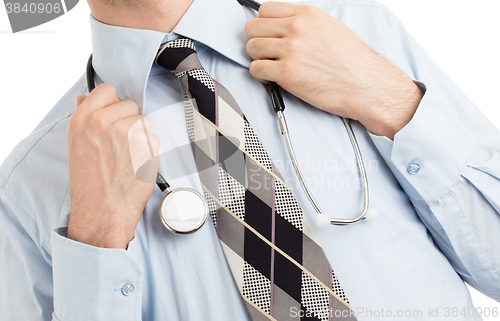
28 151
2 183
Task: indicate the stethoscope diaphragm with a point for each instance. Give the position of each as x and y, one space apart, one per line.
183 210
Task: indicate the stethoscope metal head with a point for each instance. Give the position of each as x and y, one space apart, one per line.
183 210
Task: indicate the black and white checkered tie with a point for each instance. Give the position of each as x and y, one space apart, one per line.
275 258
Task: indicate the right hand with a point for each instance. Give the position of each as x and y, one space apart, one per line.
106 140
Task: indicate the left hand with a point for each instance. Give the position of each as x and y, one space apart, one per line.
321 61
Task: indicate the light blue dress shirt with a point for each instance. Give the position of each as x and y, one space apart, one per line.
436 188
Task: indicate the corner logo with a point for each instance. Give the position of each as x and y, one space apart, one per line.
25 14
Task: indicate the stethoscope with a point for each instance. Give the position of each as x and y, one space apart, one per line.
184 210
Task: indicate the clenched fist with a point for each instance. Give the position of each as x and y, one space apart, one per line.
319 59
109 145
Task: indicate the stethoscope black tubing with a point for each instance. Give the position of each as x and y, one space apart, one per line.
250 4
275 89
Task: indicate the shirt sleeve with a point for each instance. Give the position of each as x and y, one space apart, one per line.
447 159
48 276
25 270
92 283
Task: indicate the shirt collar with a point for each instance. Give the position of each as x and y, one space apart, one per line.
123 57
218 24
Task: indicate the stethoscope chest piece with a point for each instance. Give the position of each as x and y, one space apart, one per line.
183 210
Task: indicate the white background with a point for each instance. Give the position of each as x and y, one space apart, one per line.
39 65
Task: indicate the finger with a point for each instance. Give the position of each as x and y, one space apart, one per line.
143 145
266 27
266 48
137 124
147 172
113 113
273 9
80 99
265 82
120 110
155 143
139 133
102 96
265 70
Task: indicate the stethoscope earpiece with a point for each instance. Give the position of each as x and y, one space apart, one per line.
323 220
371 214
368 213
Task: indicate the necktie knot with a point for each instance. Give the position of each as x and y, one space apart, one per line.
178 56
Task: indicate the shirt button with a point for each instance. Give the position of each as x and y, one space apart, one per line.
128 289
413 168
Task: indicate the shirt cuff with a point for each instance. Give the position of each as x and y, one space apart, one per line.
431 151
92 283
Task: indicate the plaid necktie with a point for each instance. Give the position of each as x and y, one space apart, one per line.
276 261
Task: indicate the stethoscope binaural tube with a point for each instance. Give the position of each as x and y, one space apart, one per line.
321 219
368 213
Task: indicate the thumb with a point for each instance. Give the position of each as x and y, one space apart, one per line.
265 82
80 99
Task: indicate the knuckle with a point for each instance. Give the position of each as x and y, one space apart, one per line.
287 68
107 90
121 129
249 26
249 47
155 142
301 25
132 105
293 45
147 122
77 120
308 10
253 46
264 9
99 120
255 68
294 25
136 129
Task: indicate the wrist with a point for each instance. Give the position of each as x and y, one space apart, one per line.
393 110
102 233
100 238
